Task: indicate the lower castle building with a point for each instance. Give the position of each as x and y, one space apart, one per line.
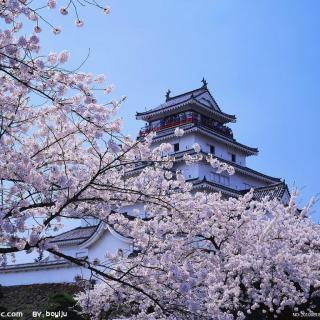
204 123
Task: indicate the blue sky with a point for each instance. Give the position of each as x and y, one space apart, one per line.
260 58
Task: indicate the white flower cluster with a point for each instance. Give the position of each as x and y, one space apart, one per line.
219 165
204 258
191 159
196 147
178 132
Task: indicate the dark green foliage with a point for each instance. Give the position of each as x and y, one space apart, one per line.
64 302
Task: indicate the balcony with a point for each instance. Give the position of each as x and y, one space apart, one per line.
219 128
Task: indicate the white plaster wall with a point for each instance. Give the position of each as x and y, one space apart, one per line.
188 171
55 275
240 180
221 150
185 142
69 250
108 243
237 181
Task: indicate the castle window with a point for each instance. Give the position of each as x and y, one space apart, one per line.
212 149
176 147
220 179
233 157
225 180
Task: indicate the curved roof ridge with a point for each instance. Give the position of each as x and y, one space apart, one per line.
77 233
188 92
183 98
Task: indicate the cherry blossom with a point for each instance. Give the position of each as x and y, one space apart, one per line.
79 23
179 132
63 155
196 147
206 255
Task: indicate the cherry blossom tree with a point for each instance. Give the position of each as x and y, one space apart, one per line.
63 156
214 258
62 152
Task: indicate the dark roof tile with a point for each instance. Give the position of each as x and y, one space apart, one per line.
274 191
80 233
201 95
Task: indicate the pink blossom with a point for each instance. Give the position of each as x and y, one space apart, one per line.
33 16
18 26
64 11
106 10
37 29
113 146
79 23
56 30
100 78
108 89
52 58
196 147
63 56
51 4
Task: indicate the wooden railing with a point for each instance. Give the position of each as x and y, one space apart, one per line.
220 129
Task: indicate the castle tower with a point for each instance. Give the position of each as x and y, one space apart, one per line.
203 122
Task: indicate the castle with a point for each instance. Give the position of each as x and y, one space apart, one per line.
204 123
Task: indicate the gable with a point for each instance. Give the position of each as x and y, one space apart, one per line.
205 98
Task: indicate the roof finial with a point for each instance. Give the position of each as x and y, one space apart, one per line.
168 95
204 81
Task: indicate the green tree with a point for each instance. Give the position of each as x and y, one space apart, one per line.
64 302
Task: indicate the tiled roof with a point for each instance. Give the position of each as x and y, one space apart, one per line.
242 169
35 265
80 233
201 95
231 140
197 127
237 166
204 183
274 191
195 94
